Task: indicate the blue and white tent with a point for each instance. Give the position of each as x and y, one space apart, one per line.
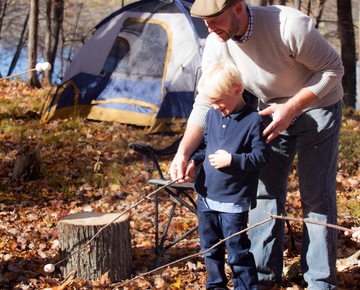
140 67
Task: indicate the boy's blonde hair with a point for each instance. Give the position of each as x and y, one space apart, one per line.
218 79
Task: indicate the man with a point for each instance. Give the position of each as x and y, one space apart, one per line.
296 76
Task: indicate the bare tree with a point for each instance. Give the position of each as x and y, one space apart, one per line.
257 2
266 2
54 19
277 2
3 10
32 78
22 40
348 50
320 8
297 4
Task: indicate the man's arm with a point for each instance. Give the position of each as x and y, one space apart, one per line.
312 50
284 114
191 140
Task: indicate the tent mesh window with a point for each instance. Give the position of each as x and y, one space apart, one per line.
150 44
118 51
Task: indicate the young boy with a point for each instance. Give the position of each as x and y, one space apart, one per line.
232 153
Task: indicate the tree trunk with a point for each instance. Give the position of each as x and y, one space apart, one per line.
358 67
3 10
348 50
110 251
48 39
31 78
297 4
320 7
266 2
308 9
277 2
20 46
27 164
257 2
54 21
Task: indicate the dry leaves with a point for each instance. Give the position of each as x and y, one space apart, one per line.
87 166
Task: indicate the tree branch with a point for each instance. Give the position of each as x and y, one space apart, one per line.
271 216
312 222
193 255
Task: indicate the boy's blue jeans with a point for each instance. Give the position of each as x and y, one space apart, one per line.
314 136
215 226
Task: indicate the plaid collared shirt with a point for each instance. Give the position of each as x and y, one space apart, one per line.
248 32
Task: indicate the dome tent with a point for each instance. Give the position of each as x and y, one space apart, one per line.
140 67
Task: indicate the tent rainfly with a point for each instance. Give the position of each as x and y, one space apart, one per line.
140 67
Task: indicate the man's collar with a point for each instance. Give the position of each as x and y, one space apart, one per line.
248 32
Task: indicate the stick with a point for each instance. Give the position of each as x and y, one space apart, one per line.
312 222
115 219
17 74
240 232
193 255
40 67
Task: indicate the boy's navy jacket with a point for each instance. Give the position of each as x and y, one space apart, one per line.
241 135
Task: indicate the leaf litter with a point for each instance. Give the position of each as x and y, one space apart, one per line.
87 166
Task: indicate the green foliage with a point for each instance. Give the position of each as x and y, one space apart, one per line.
70 125
7 125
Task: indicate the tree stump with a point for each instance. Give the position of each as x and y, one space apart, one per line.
110 251
27 164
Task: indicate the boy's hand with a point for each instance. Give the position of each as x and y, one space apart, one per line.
220 159
355 233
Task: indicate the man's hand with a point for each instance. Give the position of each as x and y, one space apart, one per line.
181 169
220 159
284 114
281 120
177 168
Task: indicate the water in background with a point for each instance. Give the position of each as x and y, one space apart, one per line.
6 56
357 87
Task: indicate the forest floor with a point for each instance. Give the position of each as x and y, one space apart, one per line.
88 166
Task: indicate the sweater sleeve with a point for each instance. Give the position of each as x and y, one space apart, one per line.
198 113
308 47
